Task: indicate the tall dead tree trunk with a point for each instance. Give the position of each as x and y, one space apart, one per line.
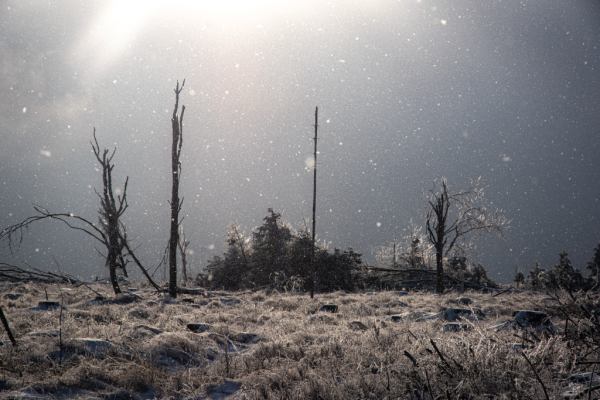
440 211
312 252
177 125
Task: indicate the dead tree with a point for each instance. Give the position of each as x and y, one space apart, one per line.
110 213
110 232
453 218
312 251
177 125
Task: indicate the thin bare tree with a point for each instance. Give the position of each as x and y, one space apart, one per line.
110 212
110 231
312 252
177 126
452 218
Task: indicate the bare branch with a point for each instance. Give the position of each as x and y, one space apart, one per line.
13 235
139 264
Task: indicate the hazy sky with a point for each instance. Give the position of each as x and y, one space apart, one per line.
408 92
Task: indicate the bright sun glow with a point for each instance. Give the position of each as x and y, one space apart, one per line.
234 7
114 30
122 21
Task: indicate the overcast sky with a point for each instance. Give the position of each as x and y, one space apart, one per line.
408 92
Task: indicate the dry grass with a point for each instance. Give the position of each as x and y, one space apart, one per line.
297 351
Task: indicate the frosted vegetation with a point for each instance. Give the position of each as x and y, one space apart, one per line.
271 344
277 256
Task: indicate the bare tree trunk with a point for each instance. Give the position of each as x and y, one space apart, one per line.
183 244
312 254
441 211
112 268
113 250
439 262
177 125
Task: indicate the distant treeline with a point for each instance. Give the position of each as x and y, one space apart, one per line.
562 276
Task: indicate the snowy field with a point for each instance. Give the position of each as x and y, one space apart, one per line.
82 342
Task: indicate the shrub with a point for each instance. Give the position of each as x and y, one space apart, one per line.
457 268
279 257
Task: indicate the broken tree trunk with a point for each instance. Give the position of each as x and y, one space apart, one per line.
177 125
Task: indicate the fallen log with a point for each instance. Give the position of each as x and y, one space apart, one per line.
12 272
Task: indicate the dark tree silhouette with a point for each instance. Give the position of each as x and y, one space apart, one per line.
563 276
177 125
454 217
276 256
231 270
519 279
533 277
594 265
269 244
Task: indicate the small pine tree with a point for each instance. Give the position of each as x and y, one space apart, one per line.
594 265
230 271
519 279
418 252
269 243
563 276
479 275
533 277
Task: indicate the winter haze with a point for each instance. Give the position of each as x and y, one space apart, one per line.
408 92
